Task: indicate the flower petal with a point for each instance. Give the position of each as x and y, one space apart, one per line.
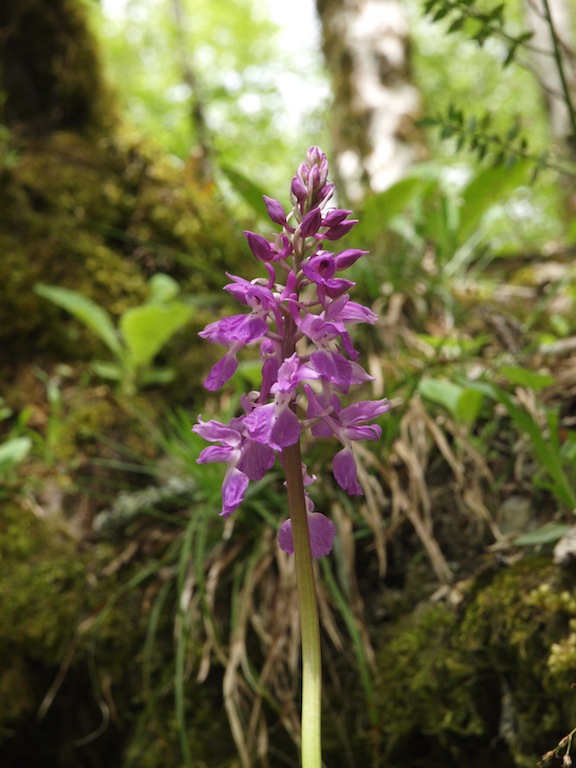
285 537
257 459
321 531
346 472
221 372
233 490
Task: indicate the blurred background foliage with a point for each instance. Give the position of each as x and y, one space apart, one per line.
263 96
136 628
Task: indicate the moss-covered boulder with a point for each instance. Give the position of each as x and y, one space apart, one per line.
488 683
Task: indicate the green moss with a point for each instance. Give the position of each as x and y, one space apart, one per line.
42 579
100 217
427 686
498 671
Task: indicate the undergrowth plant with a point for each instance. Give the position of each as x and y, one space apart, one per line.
141 333
480 22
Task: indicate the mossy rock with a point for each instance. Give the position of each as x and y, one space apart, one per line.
74 625
482 684
100 218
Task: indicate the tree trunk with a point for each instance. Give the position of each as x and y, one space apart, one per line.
555 69
366 46
50 74
546 67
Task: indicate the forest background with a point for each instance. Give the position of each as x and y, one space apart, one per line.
136 142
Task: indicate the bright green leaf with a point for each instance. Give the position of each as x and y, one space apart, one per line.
443 392
489 187
469 406
146 329
106 370
547 534
163 288
12 452
380 209
94 317
524 378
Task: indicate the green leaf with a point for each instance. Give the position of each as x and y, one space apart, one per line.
107 370
380 209
489 187
441 391
469 407
89 313
163 288
462 402
13 452
425 122
251 193
523 378
155 376
146 329
547 534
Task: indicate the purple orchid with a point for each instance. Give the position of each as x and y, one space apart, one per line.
299 315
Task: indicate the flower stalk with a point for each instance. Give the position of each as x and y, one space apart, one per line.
309 621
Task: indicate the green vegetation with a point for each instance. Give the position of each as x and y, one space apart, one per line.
142 333
139 629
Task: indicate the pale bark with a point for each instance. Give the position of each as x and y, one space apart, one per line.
546 67
366 46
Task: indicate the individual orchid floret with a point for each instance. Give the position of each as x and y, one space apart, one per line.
276 423
339 230
275 210
347 424
245 458
321 269
266 251
311 223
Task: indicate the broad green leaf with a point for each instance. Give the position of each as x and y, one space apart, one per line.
443 392
147 328
94 317
547 534
13 451
107 370
463 403
380 209
251 193
488 187
524 378
469 406
163 288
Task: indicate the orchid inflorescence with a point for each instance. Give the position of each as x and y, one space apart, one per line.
299 314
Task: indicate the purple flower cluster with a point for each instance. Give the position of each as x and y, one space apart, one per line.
299 315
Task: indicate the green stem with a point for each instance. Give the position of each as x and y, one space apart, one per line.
309 621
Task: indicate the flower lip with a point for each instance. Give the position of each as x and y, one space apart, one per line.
321 530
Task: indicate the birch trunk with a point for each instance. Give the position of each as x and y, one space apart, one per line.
546 66
366 47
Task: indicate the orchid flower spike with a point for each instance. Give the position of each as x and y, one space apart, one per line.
299 316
